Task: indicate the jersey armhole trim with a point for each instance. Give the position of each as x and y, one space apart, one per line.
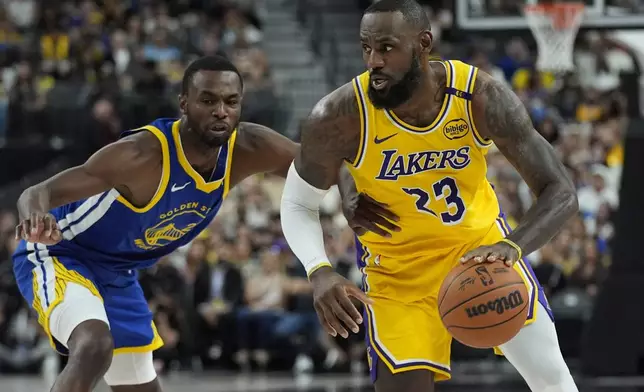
165 172
362 109
229 160
480 141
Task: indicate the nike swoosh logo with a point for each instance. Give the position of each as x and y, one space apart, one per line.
178 188
384 139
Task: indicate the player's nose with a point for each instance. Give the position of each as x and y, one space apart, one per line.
375 60
219 111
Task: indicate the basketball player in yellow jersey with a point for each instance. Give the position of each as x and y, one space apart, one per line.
414 134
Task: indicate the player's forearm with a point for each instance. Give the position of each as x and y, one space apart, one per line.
301 221
554 206
346 184
34 199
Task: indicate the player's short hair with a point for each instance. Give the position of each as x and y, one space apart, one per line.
412 12
208 63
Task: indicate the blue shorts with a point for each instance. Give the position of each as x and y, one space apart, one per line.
42 280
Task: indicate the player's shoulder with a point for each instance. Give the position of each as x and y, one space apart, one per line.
339 103
144 145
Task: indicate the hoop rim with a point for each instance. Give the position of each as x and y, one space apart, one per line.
563 14
554 7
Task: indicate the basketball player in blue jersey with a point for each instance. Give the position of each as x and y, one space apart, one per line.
86 231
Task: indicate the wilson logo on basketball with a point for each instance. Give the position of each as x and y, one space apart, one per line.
499 305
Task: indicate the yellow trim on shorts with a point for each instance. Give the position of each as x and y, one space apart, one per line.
156 343
440 374
62 277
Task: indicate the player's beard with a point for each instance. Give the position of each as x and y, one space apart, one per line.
397 94
203 134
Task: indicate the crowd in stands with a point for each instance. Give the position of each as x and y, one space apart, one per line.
237 297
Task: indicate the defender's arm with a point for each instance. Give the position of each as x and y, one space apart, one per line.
499 115
263 151
112 166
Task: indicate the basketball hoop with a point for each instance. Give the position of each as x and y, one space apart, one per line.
555 26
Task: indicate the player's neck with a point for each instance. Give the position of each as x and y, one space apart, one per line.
422 97
198 154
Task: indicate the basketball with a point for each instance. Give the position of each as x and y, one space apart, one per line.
483 305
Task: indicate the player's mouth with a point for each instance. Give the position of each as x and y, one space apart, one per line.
219 128
379 82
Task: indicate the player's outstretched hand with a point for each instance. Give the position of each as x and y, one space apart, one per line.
501 251
366 214
336 312
39 228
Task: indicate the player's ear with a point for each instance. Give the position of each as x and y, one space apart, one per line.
426 41
183 102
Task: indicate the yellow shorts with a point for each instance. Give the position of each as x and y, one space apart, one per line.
404 329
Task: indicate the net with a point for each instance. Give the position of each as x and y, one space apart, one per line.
555 27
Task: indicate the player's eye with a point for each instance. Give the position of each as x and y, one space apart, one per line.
366 48
388 48
233 102
208 101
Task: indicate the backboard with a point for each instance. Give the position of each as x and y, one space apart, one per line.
503 15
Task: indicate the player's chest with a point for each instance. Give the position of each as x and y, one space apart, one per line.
173 218
406 155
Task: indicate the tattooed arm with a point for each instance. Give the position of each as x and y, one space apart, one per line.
499 115
330 136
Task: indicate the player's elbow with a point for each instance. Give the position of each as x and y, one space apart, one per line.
569 201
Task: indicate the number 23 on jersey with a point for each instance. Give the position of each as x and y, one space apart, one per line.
446 189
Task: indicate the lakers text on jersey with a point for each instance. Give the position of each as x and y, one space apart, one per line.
106 240
434 179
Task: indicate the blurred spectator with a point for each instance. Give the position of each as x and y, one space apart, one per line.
266 296
218 292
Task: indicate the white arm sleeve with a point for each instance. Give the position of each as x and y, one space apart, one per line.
300 215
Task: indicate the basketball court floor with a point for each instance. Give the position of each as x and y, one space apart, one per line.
285 382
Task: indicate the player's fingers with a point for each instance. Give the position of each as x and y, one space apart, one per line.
48 225
358 294
319 310
19 232
343 316
382 211
351 309
370 226
26 229
494 256
56 234
359 230
373 216
371 200
332 320
467 257
35 223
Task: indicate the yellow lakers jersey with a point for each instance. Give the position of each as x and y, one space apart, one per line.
433 178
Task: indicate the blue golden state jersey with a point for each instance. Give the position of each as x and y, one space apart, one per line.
433 177
109 231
